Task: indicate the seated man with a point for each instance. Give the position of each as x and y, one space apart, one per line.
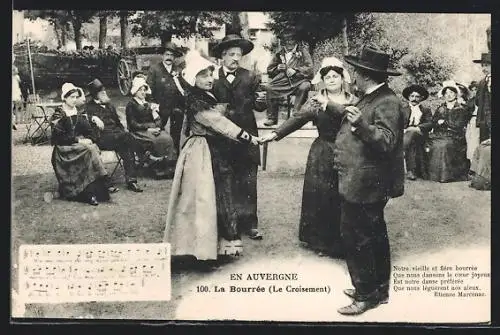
113 136
290 72
418 123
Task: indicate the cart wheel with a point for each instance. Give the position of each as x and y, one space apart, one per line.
124 76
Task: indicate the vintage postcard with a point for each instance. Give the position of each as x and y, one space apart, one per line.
251 166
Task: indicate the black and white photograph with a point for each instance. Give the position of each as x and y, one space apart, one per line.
251 166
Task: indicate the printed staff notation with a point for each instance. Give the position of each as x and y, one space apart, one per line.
83 288
55 254
49 271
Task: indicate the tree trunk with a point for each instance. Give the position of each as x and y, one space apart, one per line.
345 42
103 30
58 31
243 20
165 37
77 29
64 35
123 28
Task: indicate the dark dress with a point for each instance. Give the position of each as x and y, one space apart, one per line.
447 146
79 169
202 214
319 224
139 119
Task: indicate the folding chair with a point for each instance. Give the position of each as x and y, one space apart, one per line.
118 161
41 123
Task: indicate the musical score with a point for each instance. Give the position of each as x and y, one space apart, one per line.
94 272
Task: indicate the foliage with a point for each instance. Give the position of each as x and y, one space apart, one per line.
405 37
182 24
310 27
62 18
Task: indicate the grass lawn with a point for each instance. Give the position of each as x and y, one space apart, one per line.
428 216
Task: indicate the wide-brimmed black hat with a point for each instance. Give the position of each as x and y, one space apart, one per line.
415 88
171 47
230 41
94 87
372 59
485 58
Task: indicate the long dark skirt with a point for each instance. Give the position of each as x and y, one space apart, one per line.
447 158
161 145
225 189
79 171
320 218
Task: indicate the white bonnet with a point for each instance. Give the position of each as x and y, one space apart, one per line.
137 83
331 61
194 64
67 87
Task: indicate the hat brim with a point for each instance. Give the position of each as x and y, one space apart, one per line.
453 87
245 45
176 52
480 61
356 62
415 88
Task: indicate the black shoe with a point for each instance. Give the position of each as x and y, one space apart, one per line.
351 293
254 234
411 176
134 187
93 201
112 189
270 123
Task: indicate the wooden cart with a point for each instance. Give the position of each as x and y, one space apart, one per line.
137 60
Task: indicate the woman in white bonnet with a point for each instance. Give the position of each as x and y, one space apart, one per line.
201 217
143 122
76 158
319 227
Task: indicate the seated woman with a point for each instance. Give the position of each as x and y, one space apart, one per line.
446 146
143 122
201 216
76 159
319 226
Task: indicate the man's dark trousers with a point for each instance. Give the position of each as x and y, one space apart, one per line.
367 250
124 144
176 116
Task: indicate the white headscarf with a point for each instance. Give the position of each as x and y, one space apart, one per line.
195 63
67 87
331 61
137 83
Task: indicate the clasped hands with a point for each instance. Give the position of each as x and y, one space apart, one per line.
353 114
289 71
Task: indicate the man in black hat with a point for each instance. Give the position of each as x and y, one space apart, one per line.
418 123
483 98
369 157
290 72
238 87
113 136
168 91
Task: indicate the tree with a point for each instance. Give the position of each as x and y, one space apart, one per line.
182 24
103 26
60 19
124 16
310 27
